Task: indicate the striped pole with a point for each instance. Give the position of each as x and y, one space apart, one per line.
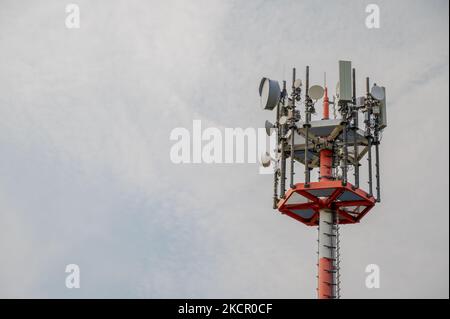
327 277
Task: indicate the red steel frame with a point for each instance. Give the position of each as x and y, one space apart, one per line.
317 203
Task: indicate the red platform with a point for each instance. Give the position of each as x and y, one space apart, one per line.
303 203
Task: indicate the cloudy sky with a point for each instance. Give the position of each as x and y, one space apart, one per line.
85 172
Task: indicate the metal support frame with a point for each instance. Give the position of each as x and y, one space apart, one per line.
355 129
377 160
307 125
275 189
283 170
369 138
345 146
292 128
276 173
369 163
282 143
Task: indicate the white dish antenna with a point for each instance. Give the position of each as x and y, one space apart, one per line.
377 92
266 159
316 92
283 120
269 91
269 126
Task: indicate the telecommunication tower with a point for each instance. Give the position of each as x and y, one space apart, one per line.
334 147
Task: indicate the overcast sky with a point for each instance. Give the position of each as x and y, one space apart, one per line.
85 172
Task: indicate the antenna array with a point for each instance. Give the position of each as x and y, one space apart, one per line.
333 146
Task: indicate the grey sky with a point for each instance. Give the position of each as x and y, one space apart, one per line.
85 174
